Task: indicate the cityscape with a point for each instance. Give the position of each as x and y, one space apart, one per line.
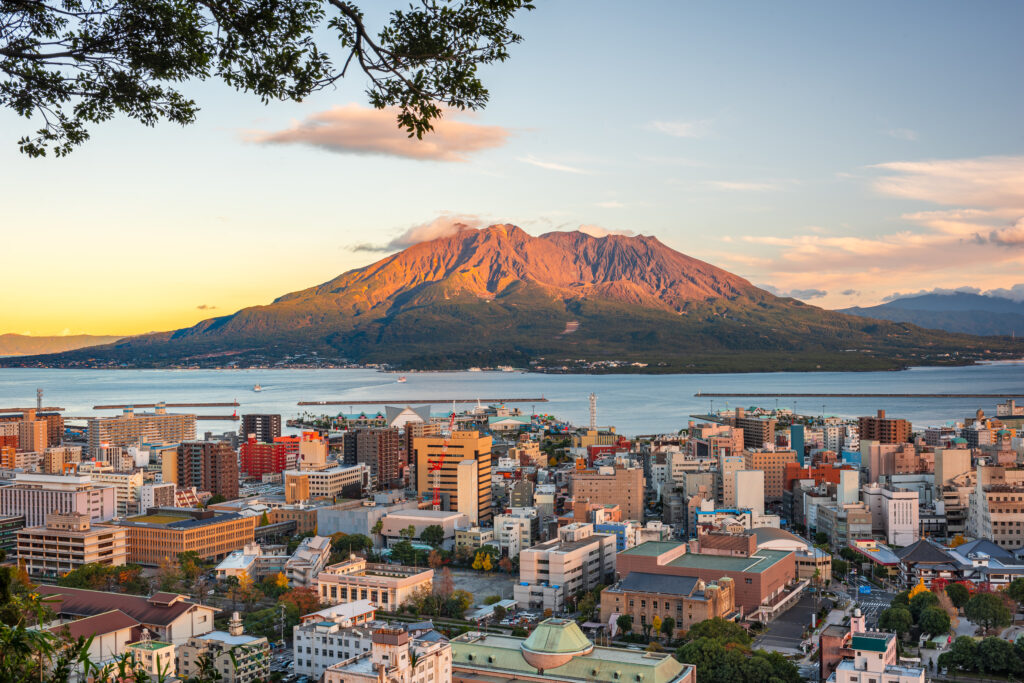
419 543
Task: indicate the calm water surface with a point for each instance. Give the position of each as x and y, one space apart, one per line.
635 404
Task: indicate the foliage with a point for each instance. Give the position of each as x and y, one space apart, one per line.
625 623
452 605
446 585
295 541
168 575
190 564
303 600
991 655
840 567
76 63
275 585
435 559
849 554
519 632
264 519
492 599
668 627
98 577
933 621
899 620
433 534
719 629
728 658
216 499
958 594
820 538
1016 590
656 624
987 610
350 543
506 565
404 553
920 602
482 561
500 612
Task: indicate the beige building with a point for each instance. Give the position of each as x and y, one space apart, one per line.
155 657
168 533
473 538
396 657
553 571
686 599
66 542
55 458
608 485
35 496
332 482
773 464
32 435
997 506
387 586
237 657
126 487
465 475
131 429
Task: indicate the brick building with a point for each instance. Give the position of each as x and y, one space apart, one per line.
883 429
209 466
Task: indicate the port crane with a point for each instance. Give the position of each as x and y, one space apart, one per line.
438 462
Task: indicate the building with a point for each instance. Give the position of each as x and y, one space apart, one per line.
758 431
611 485
167 532
773 464
379 448
264 427
126 488
686 599
516 529
254 560
388 586
895 514
157 496
761 577
465 475
750 490
997 506
812 563
32 435
237 657
66 542
169 617
332 482
258 458
728 466
396 656
307 561
33 496
358 516
109 634
473 538
330 635
557 650
843 523
883 429
209 466
131 428
875 658
9 528
395 525
577 560
155 657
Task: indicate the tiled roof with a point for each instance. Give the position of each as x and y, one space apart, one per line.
923 551
659 583
107 622
84 603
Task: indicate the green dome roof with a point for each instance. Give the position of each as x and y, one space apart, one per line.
557 636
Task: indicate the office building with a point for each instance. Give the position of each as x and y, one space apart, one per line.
465 475
621 485
131 429
238 658
265 428
168 532
209 466
332 482
516 529
33 496
328 636
750 491
796 442
686 599
883 429
758 431
557 650
395 655
388 586
997 506
894 513
773 464
126 488
9 528
68 541
577 560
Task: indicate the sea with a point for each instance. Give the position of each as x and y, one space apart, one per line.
633 404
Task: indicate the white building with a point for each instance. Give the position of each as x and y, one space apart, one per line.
578 560
875 658
513 529
894 514
750 491
309 558
332 635
396 656
37 495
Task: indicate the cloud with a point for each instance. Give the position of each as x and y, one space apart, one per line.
598 231
734 186
352 129
850 292
1012 236
795 293
206 307
445 225
996 181
682 129
902 134
1014 292
610 205
552 165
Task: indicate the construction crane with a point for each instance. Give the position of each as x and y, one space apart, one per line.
437 463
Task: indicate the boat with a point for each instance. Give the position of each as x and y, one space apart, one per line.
475 369
257 388
402 379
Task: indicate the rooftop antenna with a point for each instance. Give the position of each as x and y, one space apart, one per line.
39 399
593 411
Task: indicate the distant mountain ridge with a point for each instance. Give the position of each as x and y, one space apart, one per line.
501 296
961 312
22 344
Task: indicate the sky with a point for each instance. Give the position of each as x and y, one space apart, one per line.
836 152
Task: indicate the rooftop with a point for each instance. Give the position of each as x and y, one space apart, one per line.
875 641
228 639
658 583
651 548
756 563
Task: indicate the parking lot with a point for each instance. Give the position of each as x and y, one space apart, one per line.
786 633
481 585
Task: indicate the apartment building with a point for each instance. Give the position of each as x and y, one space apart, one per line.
773 464
264 427
465 475
379 448
209 466
473 538
237 657
126 488
388 586
728 466
157 496
258 458
758 431
579 559
997 506
167 532
68 541
131 428
331 635
33 496
883 429
621 485
516 529
844 522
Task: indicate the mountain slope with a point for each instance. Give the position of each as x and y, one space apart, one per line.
499 295
22 344
957 312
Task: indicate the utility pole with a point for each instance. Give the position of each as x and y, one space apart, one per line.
280 622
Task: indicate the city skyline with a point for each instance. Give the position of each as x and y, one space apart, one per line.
836 154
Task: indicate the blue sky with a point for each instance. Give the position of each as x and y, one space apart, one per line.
819 148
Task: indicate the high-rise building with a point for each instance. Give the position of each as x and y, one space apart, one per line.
750 490
611 485
796 442
757 430
264 427
68 541
209 466
379 449
257 459
131 428
462 446
884 429
32 435
773 463
36 495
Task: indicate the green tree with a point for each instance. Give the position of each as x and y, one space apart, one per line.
264 519
500 612
820 538
76 63
625 623
899 620
668 627
1015 590
840 567
934 621
920 602
958 594
719 629
987 610
433 534
215 498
